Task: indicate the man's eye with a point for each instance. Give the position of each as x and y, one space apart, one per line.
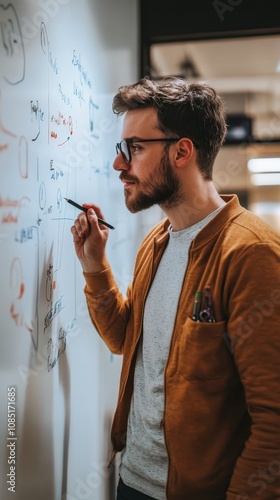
134 148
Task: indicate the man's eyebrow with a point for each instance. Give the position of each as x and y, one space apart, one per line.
133 138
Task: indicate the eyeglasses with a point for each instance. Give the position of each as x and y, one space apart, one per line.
123 147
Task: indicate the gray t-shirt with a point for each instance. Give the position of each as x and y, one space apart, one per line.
144 461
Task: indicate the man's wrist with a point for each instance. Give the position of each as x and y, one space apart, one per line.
95 267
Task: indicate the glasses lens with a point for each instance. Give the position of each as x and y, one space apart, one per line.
124 147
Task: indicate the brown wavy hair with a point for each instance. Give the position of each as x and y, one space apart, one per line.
184 109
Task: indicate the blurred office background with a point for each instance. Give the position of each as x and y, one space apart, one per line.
234 46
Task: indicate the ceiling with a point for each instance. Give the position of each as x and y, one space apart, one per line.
246 64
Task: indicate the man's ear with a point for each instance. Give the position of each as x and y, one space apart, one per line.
183 152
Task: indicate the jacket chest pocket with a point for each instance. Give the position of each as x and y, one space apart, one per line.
203 353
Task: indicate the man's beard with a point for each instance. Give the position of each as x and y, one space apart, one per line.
162 188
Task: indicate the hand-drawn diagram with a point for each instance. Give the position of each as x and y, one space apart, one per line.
57 136
12 209
37 116
24 285
12 49
62 124
53 145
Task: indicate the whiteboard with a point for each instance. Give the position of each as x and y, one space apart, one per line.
60 63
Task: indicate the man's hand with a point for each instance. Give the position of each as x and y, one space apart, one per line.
90 238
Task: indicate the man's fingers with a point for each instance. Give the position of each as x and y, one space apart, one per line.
81 225
76 236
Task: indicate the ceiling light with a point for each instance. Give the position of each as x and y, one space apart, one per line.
266 207
264 165
266 179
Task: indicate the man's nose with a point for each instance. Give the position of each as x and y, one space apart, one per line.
120 164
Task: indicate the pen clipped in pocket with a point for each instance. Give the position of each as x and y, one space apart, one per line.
205 314
203 353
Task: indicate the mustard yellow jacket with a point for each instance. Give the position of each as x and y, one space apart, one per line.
222 379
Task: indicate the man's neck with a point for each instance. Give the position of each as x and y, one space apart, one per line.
194 208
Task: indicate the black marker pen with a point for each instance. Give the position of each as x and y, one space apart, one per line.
84 209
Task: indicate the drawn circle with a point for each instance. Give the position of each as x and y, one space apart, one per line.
13 64
42 196
16 277
44 38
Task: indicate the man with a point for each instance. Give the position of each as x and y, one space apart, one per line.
198 414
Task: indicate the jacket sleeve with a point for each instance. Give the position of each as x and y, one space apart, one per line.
254 331
111 312
108 309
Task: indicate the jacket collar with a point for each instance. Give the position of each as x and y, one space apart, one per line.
229 212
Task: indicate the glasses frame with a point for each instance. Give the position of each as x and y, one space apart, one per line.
135 141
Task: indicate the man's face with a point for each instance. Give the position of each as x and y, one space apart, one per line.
149 178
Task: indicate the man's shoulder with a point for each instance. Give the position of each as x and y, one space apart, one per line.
254 228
